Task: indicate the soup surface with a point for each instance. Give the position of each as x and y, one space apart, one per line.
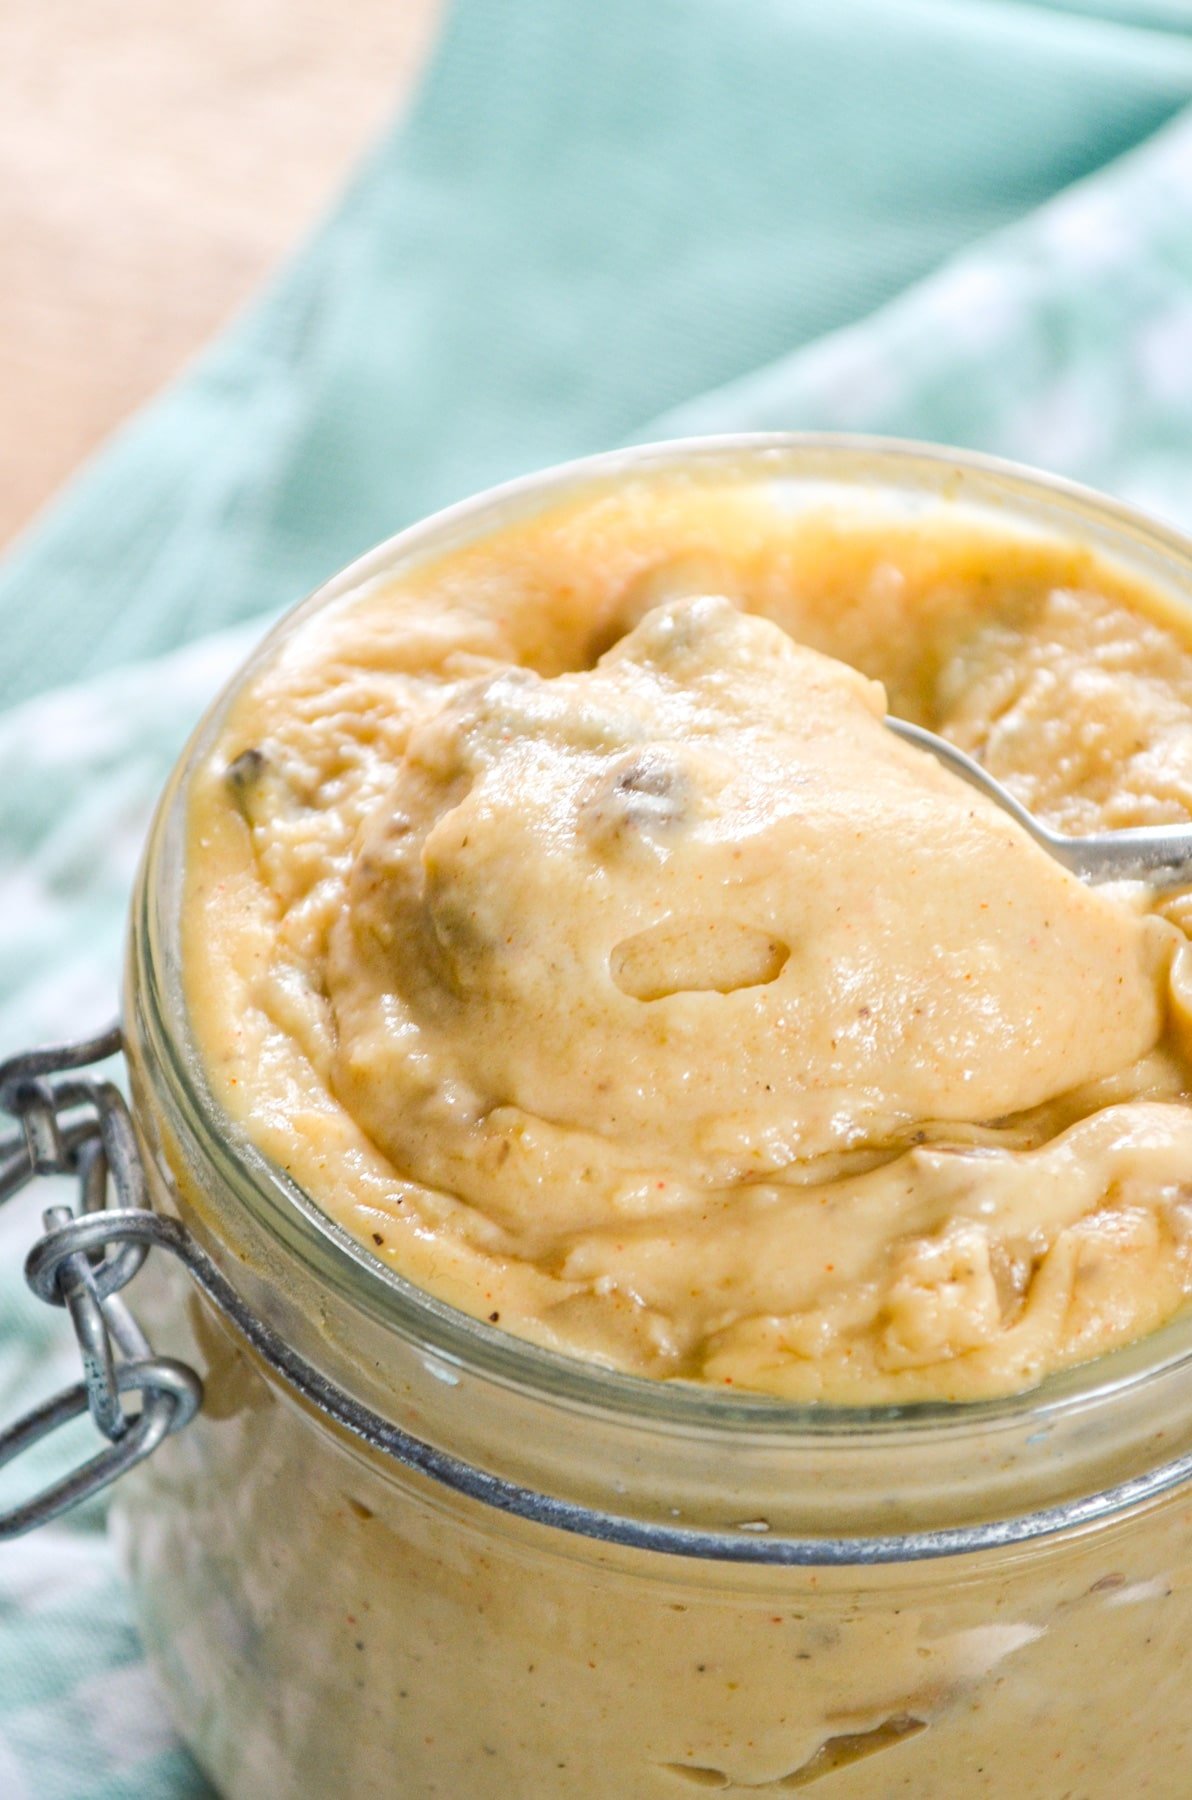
563 916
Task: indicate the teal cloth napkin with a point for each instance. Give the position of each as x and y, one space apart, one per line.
967 220
598 209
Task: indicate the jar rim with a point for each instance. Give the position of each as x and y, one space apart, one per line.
456 1339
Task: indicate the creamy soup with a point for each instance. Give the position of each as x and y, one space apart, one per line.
565 918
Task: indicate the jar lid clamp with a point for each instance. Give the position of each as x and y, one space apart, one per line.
80 1127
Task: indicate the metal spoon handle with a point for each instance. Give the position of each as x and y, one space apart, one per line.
1158 854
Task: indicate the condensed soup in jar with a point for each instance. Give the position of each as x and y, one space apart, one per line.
679 1203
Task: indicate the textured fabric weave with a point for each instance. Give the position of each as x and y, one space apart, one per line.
950 219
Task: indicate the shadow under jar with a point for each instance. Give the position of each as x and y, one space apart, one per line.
400 1552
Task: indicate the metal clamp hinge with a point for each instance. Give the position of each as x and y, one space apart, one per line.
78 1126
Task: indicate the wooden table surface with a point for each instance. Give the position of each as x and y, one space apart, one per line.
157 159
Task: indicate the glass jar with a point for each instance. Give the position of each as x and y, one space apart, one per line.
401 1553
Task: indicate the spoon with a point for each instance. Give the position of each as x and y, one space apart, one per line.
1158 854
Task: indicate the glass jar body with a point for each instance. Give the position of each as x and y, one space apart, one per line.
324 1623
328 1621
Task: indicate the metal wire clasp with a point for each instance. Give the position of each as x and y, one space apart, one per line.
80 1127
